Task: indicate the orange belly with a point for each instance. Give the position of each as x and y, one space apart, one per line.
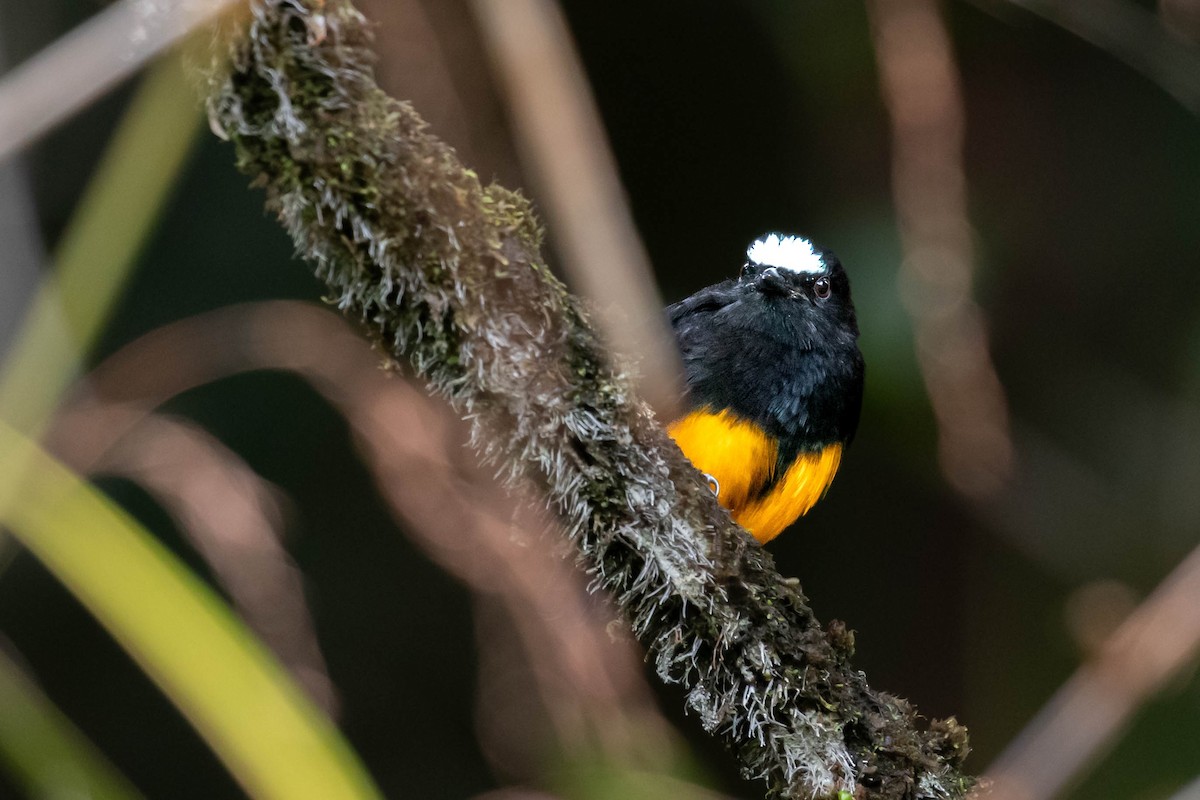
741 457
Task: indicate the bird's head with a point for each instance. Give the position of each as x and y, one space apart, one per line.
798 279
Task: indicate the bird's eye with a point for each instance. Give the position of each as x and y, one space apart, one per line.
747 269
822 288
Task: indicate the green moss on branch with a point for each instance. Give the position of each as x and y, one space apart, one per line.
448 274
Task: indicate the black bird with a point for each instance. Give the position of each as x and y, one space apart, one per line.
775 381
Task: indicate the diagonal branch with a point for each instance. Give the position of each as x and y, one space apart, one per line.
448 276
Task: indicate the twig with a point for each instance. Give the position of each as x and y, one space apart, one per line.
921 89
590 688
1158 640
228 513
562 143
85 63
448 276
413 448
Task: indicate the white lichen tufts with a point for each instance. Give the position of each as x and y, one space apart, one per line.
447 275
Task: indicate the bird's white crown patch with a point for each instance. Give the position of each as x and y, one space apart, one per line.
794 253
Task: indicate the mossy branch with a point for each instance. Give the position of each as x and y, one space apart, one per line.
448 274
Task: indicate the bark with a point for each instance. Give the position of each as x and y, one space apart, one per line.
449 278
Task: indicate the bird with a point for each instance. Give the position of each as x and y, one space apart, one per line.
774 381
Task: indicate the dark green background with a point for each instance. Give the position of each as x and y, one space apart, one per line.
729 119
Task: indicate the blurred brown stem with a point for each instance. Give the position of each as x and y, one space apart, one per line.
413 446
921 89
563 145
228 513
63 78
1157 641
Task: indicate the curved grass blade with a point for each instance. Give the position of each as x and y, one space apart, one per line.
99 249
276 743
45 752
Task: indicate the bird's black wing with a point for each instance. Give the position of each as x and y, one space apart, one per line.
699 339
702 302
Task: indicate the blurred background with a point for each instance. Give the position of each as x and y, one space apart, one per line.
978 569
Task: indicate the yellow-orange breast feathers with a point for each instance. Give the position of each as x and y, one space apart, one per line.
742 458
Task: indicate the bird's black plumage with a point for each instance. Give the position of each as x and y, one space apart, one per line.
777 347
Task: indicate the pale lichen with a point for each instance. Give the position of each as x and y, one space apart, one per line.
448 275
